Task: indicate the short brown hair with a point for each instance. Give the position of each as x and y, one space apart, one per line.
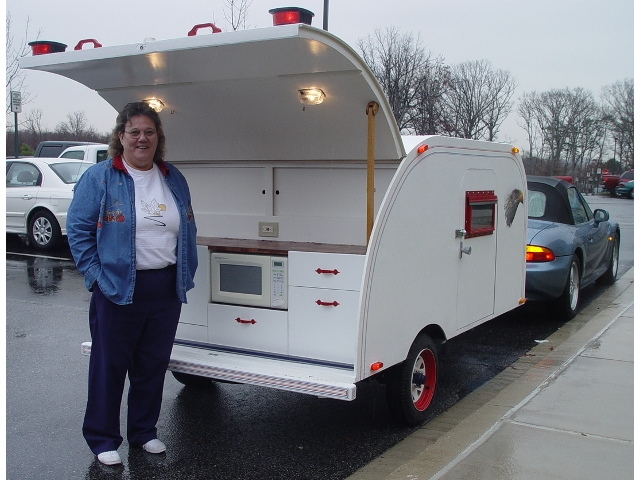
131 110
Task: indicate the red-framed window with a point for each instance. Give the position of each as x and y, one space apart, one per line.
480 213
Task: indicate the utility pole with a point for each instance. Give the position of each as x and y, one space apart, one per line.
325 16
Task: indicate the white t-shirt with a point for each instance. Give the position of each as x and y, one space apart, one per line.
157 220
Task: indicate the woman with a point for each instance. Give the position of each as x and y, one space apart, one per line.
132 234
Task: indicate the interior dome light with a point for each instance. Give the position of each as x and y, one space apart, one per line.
155 103
311 96
42 47
289 15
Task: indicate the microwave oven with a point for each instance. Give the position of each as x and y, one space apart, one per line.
253 280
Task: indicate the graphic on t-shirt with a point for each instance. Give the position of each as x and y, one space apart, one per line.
154 209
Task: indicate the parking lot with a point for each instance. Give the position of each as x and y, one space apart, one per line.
227 431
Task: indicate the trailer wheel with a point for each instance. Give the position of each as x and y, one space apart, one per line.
412 385
193 381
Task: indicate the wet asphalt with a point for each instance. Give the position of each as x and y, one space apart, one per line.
225 431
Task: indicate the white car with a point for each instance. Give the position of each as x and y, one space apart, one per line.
39 191
94 152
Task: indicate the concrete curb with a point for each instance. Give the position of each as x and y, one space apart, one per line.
443 443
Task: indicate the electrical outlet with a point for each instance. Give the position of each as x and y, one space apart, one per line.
267 229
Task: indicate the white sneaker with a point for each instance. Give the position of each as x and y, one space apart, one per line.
110 458
154 446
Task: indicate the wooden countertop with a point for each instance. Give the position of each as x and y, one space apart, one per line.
275 247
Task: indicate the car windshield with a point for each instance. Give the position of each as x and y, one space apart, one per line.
627 176
70 172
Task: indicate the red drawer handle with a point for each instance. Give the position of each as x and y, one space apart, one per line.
252 321
327 304
334 271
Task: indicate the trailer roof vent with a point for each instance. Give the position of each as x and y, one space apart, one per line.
289 15
42 47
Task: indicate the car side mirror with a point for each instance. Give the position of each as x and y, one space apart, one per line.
600 215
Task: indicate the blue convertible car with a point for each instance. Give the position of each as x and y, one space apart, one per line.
568 245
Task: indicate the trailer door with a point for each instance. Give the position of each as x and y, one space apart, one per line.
476 247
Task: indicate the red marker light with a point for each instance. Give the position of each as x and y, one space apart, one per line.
422 148
376 366
42 47
291 15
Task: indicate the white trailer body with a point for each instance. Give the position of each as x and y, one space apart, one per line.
445 251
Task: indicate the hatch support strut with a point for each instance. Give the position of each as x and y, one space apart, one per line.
372 109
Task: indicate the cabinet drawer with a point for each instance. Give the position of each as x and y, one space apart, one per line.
196 333
325 331
248 328
326 270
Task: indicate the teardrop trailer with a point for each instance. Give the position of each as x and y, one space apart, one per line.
332 250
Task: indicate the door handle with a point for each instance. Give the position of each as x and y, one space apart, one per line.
466 251
27 197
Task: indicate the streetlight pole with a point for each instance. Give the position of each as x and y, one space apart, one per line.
325 16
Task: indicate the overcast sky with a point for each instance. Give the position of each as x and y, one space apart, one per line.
545 44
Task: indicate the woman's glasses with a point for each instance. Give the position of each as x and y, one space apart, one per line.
136 133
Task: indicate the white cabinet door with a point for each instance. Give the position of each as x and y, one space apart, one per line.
248 328
323 324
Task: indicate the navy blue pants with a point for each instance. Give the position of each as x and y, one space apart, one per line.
134 339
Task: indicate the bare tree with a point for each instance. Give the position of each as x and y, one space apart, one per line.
428 115
75 128
479 100
16 78
526 111
565 127
618 106
398 63
551 110
235 13
33 125
583 127
500 88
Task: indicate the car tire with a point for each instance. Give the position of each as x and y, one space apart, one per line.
44 230
609 277
192 381
412 384
631 194
566 306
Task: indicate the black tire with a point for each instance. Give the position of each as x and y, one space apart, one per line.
630 194
412 385
192 381
609 277
44 230
566 306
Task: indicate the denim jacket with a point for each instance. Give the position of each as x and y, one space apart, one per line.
101 229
